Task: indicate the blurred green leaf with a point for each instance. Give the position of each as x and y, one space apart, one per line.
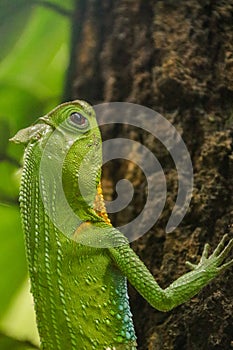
4 136
37 63
10 185
21 106
12 257
20 320
13 18
8 343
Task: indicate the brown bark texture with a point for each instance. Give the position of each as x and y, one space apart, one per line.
175 57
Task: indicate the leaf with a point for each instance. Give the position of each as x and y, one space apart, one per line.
13 18
12 256
20 319
4 136
9 343
37 62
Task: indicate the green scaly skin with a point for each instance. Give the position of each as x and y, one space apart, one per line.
80 291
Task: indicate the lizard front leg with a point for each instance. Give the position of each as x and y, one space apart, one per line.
181 290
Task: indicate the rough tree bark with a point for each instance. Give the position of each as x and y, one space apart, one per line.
175 57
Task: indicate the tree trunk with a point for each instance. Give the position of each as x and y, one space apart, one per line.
176 58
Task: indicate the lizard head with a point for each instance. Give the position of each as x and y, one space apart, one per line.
67 140
75 117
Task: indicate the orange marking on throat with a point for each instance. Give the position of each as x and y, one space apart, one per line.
99 205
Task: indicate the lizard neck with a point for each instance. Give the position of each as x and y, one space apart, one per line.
81 180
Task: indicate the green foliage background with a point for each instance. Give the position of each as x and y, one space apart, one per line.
34 42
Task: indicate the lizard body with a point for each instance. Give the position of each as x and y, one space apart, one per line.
79 290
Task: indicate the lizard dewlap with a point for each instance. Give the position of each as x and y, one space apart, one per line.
79 288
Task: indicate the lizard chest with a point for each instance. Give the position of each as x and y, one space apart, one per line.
84 294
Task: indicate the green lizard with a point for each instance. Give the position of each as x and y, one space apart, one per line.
80 290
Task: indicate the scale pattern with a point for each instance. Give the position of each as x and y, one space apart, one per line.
79 287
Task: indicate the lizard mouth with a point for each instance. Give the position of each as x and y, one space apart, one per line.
46 120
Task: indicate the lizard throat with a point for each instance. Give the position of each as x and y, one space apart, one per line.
99 205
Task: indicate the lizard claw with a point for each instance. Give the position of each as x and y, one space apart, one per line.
205 253
223 254
214 261
220 246
190 265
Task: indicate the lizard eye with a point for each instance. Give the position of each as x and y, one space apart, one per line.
78 119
